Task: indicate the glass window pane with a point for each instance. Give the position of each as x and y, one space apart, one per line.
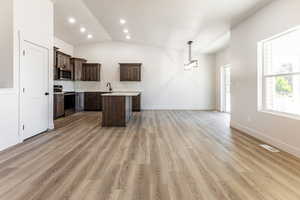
283 94
282 54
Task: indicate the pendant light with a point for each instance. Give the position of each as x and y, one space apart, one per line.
191 63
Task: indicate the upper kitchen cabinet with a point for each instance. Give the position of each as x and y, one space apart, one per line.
78 68
63 70
91 71
55 70
130 71
63 61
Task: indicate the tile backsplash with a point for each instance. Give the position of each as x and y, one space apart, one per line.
67 85
98 86
89 86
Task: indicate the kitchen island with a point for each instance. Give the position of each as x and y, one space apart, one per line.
117 108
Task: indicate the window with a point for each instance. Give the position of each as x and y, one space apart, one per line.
280 73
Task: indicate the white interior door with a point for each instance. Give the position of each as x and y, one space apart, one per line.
34 97
225 92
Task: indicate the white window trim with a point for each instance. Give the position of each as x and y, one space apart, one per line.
261 77
281 114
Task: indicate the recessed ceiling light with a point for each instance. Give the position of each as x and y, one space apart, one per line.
125 31
82 30
122 21
72 20
90 36
128 37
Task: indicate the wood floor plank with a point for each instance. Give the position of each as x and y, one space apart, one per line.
160 155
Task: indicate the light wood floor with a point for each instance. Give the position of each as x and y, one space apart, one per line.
161 155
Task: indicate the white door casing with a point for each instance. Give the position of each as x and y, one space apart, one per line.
225 88
34 86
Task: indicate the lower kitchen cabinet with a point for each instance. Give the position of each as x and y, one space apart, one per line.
59 105
136 103
87 101
79 102
92 101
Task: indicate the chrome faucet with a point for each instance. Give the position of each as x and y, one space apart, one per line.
109 86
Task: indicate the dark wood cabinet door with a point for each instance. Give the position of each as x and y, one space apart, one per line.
55 69
77 71
92 101
116 111
83 75
60 60
79 102
91 72
84 72
136 103
77 68
63 61
59 105
135 73
130 72
124 73
67 63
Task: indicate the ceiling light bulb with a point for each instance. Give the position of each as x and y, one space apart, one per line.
122 21
125 31
72 20
128 37
90 36
82 30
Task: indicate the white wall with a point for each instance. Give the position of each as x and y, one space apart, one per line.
165 84
8 118
6 44
33 21
8 97
64 46
282 132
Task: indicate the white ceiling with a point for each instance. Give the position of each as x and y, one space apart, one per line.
163 23
63 10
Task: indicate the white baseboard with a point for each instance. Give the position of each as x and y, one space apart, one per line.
259 135
170 107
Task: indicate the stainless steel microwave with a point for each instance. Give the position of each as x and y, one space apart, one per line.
64 74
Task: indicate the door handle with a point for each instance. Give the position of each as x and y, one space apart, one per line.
46 93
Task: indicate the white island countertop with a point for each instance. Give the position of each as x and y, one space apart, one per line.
124 94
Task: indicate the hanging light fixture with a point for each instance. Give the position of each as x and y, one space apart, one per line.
191 63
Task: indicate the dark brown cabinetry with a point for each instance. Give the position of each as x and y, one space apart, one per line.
67 68
63 61
91 71
79 102
136 103
130 71
117 110
59 105
55 69
92 101
62 66
77 63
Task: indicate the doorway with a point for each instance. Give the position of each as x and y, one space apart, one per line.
225 89
34 82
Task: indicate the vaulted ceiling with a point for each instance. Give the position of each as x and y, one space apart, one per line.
162 23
